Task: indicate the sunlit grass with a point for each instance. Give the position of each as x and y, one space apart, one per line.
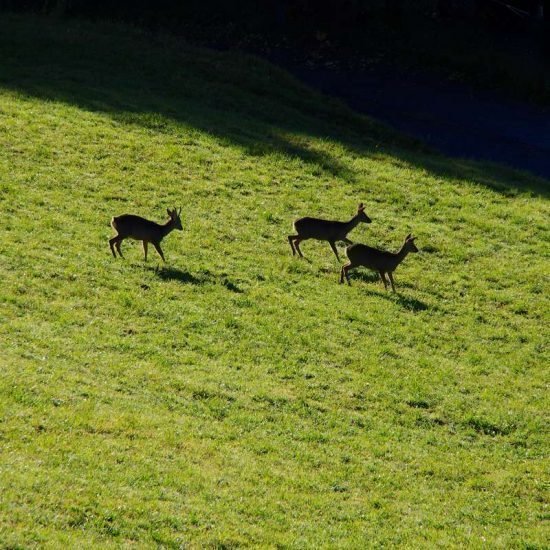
238 395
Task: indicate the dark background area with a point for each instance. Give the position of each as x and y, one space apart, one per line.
448 72
344 20
496 44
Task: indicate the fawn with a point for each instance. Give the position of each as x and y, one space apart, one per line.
325 230
140 229
377 260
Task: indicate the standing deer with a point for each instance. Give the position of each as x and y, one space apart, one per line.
377 260
140 229
325 230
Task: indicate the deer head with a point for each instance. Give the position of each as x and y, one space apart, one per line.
361 213
175 218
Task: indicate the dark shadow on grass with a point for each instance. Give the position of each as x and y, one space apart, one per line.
231 286
407 302
411 303
249 103
366 277
175 274
126 75
205 277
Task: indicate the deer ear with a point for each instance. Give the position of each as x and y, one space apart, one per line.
361 206
408 236
169 212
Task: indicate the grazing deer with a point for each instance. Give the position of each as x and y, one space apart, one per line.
377 260
325 230
140 229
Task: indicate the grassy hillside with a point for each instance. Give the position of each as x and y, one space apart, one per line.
238 395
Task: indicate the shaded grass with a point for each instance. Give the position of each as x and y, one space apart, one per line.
237 395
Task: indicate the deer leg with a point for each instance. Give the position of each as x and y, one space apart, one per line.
118 242
344 273
112 245
145 243
347 241
333 246
159 250
290 239
297 242
383 279
390 275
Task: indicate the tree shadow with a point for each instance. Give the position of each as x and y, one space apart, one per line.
138 80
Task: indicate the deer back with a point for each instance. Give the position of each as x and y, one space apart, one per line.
378 260
136 227
316 228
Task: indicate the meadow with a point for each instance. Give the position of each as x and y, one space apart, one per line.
239 396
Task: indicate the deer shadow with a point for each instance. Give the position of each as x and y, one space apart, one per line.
365 276
230 285
179 275
406 302
410 303
174 274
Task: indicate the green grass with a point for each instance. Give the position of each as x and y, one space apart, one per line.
239 396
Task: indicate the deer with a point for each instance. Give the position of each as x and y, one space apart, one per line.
325 230
129 226
377 260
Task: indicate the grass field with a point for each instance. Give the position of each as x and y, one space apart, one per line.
239 396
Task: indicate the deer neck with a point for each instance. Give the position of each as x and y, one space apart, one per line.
352 223
167 227
401 255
